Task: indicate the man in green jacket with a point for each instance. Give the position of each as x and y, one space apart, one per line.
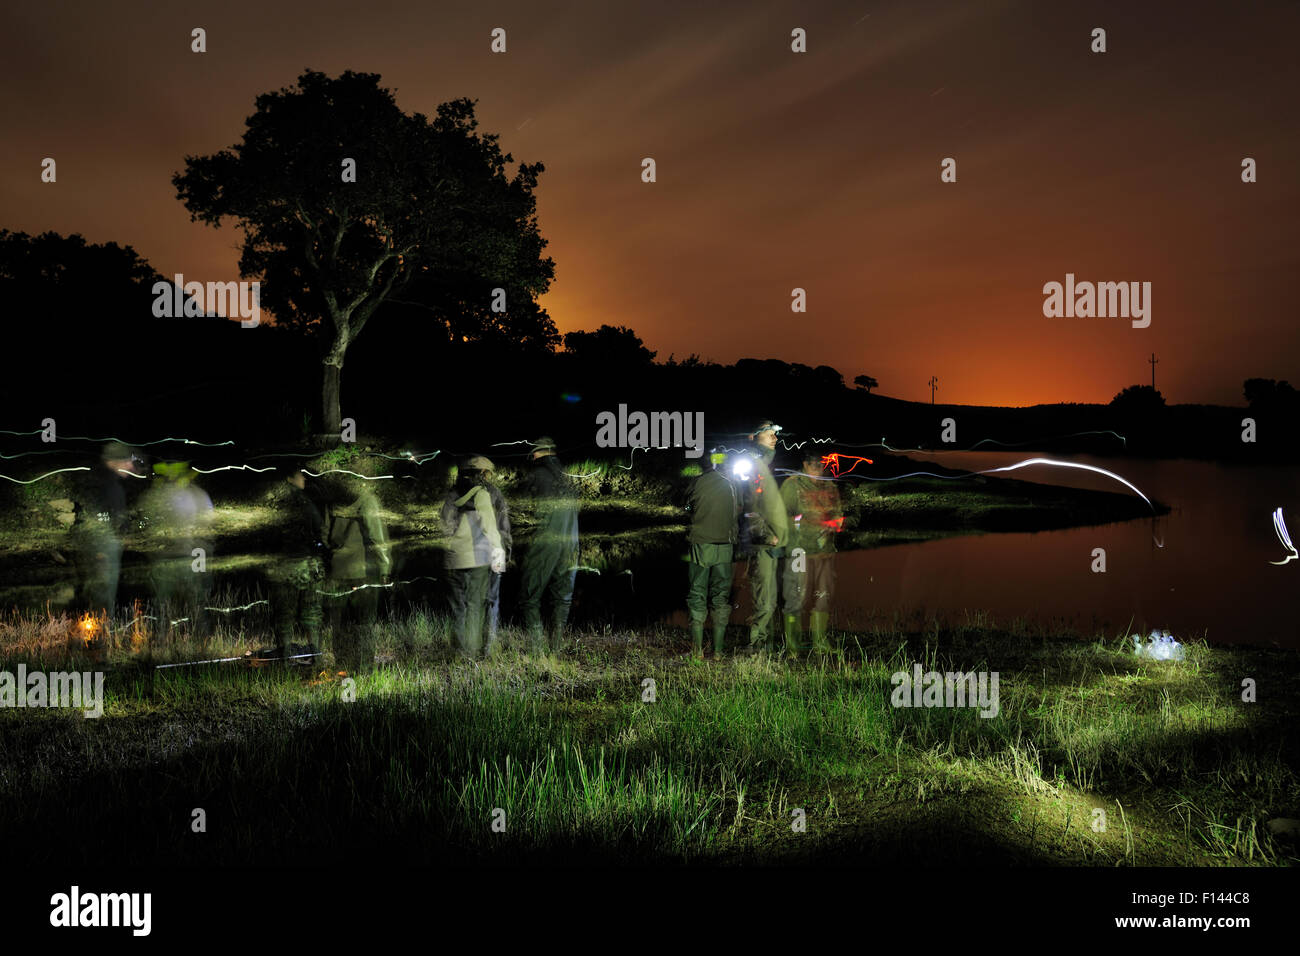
767 527
360 565
714 503
295 579
813 503
550 563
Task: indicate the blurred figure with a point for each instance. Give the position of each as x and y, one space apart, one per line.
502 511
99 523
360 564
816 517
766 530
179 516
473 553
549 564
295 579
714 503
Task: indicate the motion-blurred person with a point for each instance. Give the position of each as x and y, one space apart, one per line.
473 553
766 530
487 472
98 526
360 565
714 503
295 579
550 563
816 517
179 517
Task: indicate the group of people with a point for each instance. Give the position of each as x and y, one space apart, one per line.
335 554
786 534
476 520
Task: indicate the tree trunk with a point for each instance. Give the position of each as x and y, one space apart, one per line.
331 423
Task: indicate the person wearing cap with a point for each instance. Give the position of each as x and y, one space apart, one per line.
360 565
487 474
473 553
550 563
178 514
295 579
99 524
766 530
714 503
816 517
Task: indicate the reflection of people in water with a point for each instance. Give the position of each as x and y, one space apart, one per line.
97 529
295 579
179 516
360 563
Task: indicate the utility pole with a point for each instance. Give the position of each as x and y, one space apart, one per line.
934 383
1154 362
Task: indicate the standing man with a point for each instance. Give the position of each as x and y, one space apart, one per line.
296 579
767 529
98 527
473 553
487 472
549 565
813 503
360 564
714 503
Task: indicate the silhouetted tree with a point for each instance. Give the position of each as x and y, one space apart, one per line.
1138 398
609 347
1267 392
867 382
431 216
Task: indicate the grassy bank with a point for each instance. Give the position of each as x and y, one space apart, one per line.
586 767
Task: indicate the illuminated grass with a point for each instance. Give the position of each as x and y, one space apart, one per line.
584 768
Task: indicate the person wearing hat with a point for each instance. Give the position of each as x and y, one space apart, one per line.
487 473
99 524
817 516
714 503
550 563
767 530
473 553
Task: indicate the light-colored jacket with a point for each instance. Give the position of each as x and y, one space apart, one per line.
471 522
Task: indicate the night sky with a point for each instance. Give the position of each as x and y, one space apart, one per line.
775 169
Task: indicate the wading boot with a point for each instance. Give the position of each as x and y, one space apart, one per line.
793 635
817 622
539 640
697 640
719 636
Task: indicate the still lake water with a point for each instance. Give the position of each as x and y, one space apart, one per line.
1201 571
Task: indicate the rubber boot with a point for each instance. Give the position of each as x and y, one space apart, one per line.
539 640
697 639
793 634
719 635
817 622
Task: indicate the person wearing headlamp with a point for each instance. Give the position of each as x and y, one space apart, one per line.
767 528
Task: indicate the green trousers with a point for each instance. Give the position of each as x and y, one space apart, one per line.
763 582
467 593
